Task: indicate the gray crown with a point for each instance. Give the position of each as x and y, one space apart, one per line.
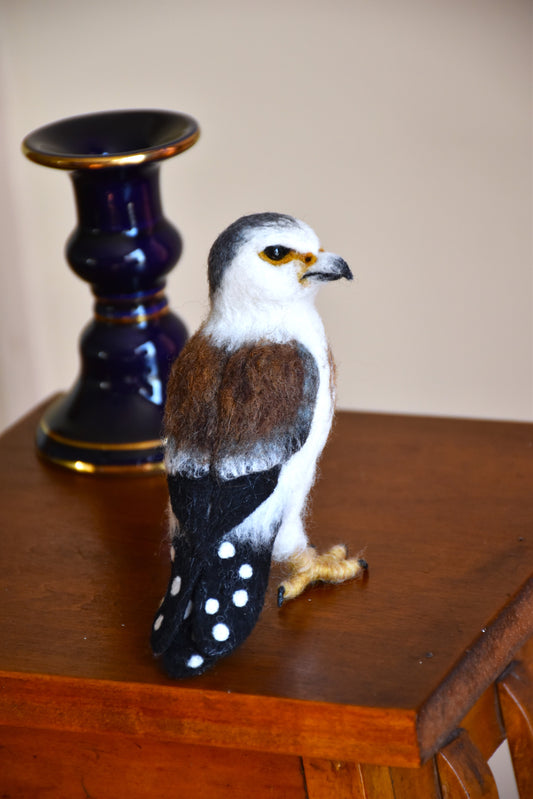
227 244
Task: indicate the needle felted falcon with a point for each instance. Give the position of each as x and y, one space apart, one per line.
249 407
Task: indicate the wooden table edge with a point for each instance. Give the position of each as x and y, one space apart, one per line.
497 645
211 718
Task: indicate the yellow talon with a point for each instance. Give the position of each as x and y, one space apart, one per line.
308 567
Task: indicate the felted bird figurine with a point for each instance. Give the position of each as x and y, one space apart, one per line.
249 407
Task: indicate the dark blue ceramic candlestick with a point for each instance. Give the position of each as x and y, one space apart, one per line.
123 246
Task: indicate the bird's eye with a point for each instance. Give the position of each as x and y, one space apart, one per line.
277 252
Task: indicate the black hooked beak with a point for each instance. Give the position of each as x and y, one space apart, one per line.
329 267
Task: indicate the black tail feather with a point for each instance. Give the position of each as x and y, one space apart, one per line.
176 604
217 613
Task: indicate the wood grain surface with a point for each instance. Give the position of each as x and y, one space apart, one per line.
378 670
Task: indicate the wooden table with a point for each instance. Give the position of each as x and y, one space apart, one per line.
385 687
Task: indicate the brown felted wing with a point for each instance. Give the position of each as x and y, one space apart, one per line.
191 410
254 404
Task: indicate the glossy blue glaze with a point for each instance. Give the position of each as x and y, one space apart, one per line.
123 243
124 247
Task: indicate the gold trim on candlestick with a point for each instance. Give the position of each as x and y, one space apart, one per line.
82 467
132 320
131 446
71 161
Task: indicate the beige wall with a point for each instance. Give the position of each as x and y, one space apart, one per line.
400 130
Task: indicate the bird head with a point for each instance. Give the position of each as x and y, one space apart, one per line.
270 258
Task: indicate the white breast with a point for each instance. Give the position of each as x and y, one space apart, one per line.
285 507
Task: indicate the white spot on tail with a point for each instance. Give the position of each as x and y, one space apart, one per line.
226 550
195 661
246 571
220 632
211 606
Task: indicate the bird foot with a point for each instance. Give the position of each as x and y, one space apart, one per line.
309 567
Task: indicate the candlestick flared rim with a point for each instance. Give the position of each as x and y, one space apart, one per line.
111 139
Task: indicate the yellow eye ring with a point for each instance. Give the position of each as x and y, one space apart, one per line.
271 256
307 258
